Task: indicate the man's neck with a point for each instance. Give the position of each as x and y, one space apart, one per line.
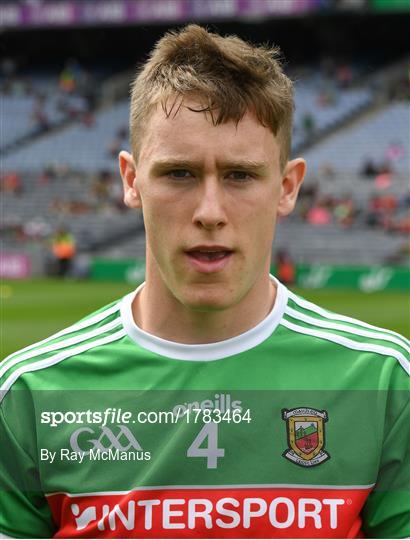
162 315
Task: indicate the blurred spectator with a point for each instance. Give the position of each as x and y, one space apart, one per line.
386 203
308 124
383 180
88 89
394 151
39 115
401 225
36 229
285 268
308 194
369 169
11 183
63 246
88 119
381 210
70 76
319 215
344 212
326 97
404 202
344 75
67 81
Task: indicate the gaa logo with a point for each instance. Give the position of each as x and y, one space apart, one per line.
124 440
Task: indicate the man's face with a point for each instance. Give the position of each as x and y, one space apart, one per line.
210 197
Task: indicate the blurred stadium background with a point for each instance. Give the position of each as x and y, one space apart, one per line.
64 78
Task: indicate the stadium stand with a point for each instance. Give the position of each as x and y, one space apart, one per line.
85 147
321 105
67 200
34 102
386 127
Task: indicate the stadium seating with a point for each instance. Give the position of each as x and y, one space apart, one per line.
92 224
36 107
81 146
368 139
343 104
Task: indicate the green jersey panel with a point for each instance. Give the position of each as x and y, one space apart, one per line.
299 427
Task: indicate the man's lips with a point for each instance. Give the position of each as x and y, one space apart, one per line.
208 253
209 259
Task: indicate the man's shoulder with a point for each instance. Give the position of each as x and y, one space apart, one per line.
97 328
312 322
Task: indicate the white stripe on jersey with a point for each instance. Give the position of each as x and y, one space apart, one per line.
337 317
73 328
41 364
343 328
10 362
349 343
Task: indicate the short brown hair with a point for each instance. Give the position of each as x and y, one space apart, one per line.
230 75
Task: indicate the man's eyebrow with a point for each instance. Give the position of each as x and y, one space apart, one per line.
242 164
245 164
174 163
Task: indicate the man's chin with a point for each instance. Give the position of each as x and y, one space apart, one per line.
207 299
207 307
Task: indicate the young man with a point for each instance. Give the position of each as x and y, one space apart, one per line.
212 402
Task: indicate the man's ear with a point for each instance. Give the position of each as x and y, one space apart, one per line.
132 196
291 181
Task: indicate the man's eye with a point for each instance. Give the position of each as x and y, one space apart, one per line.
179 173
242 176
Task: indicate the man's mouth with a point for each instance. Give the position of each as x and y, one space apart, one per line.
209 258
203 255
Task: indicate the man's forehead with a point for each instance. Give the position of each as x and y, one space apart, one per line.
188 109
191 131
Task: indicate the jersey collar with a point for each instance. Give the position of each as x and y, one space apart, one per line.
207 351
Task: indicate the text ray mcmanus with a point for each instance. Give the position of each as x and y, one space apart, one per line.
95 454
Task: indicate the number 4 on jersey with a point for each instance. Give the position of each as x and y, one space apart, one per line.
210 452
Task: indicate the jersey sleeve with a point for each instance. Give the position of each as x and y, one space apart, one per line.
25 512
386 513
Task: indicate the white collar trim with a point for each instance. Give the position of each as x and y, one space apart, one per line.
207 351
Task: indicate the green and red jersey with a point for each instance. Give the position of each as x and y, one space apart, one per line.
298 428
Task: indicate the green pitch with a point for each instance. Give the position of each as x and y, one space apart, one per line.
32 310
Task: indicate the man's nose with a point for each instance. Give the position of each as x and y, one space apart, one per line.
210 211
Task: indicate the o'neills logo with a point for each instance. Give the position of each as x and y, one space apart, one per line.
306 436
220 402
